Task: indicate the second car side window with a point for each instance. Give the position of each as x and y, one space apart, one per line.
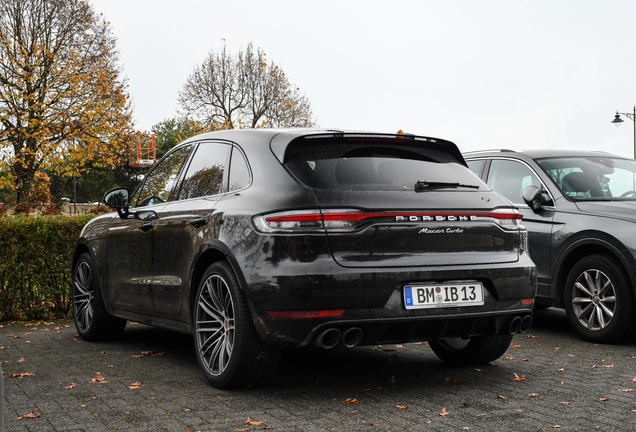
510 178
206 171
159 183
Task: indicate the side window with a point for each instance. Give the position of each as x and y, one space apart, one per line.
239 171
476 165
510 178
205 172
160 181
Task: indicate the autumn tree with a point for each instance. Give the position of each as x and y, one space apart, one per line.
171 132
243 91
63 104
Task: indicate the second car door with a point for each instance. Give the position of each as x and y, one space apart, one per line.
509 178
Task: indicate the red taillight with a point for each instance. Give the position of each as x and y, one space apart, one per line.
305 314
527 302
347 220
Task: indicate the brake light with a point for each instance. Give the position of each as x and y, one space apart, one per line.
347 220
305 314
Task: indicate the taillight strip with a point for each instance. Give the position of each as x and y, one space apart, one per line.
358 216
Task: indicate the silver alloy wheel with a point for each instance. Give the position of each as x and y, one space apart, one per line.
83 296
215 325
594 299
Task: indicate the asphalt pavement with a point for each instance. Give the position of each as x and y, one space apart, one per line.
549 379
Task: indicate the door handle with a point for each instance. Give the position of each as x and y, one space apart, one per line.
197 223
146 227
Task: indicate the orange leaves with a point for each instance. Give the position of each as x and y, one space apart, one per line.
147 353
518 378
350 401
138 385
70 386
402 407
444 412
100 378
253 422
28 416
22 375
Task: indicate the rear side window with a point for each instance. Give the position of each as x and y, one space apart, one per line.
205 172
372 165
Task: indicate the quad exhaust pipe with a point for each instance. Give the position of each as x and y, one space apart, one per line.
519 325
332 337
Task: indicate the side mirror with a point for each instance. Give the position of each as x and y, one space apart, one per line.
119 199
146 215
532 197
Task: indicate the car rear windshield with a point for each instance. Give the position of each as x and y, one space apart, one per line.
592 178
380 164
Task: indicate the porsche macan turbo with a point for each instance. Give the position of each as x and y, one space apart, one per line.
257 240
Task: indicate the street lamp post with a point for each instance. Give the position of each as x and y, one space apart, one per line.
632 116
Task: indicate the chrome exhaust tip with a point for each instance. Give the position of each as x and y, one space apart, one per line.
352 337
327 339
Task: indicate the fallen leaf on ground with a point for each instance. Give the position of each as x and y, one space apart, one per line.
99 379
21 360
70 386
137 385
632 379
534 337
22 375
509 358
560 370
518 378
515 346
419 343
556 426
626 390
557 348
612 365
444 412
32 415
402 406
603 399
564 403
399 346
391 380
372 423
533 395
350 401
500 396
480 415
253 422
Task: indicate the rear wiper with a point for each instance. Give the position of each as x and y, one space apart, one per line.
422 186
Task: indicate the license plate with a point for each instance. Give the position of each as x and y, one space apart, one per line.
445 295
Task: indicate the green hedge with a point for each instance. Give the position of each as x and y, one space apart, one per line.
36 255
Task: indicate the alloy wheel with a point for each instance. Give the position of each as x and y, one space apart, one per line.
83 296
215 325
594 299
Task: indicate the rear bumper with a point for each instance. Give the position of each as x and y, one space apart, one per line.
373 301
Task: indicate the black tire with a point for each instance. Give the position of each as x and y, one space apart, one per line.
599 300
228 348
92 321
473 351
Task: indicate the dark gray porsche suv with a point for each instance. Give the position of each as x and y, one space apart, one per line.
257 240
580 211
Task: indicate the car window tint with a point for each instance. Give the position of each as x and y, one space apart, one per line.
592 177
160 181
476 165
510 178
204 175
373 165
239 171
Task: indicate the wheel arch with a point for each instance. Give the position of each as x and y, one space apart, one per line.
586 244
210 253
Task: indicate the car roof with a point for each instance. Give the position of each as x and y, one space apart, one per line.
278 139
537 153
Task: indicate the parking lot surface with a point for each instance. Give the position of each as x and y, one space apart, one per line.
150 380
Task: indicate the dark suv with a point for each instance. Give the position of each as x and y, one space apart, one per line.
256 240
580 212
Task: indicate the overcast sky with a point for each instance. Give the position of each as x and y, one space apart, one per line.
483 74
